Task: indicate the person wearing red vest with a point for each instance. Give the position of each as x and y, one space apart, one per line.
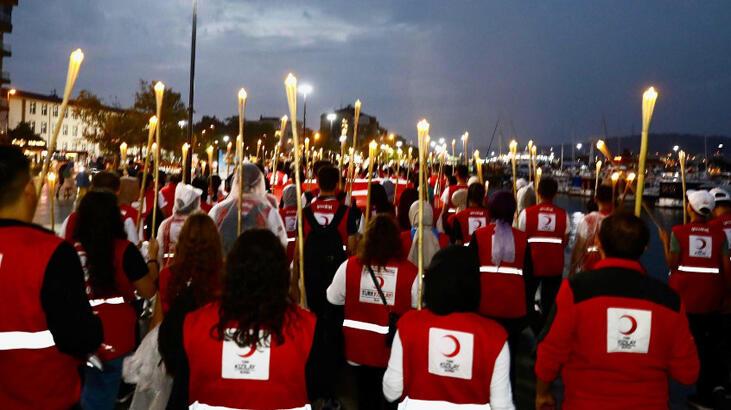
47 328
288 212
472 218
698 256
114 270
446 354
187 202
547 227
250 352
358 284
618 335
110 182
167 194
461 173
586 250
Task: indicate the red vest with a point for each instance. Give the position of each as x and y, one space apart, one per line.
545 225
289 217
698 279
470 220
33 373
324 211
115 310
723 222
168 193
366 318
224 374
406 241
128 212
449 358
503 286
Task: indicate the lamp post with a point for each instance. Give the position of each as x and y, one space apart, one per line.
304 89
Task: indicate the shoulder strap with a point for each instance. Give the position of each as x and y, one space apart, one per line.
339 215
310 216
378 287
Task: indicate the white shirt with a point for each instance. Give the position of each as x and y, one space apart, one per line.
336 290
501 396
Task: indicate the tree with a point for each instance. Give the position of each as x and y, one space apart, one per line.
24 132
106 126
173 111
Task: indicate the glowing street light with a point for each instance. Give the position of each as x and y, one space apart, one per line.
676 148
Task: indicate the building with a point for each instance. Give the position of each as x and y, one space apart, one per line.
6 26
41 112
368 127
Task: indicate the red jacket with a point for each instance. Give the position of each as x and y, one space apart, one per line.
699 276
366 318
34 374
449 358
545 225
503 285
118 316
469 221
616 338
168 194
269 376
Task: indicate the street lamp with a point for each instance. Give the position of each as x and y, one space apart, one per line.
331 117
304 89
676 148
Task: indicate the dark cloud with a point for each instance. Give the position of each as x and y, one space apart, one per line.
553 69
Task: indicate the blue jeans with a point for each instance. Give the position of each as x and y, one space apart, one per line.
101 387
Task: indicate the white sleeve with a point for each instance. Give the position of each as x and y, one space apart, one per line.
160 244
131 231
63 228
277 226
415 292
161 202
501 395
568 224
393 379
336 290
521 220
445 197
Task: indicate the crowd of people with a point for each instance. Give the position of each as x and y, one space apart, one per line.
201 302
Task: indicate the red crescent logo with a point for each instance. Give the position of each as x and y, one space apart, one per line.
479 224
703 242
457 346
632 327
548 220
325 220
248 354
380 281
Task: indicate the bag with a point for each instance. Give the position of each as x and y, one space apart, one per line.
392 316
324 253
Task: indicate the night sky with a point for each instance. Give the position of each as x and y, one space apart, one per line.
552 68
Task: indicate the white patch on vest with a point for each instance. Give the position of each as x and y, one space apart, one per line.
386 278
700 246
451 353
246 363
628 330
1 260
290 223
475 223
324 218
546 222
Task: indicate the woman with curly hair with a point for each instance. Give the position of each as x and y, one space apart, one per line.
251 347
376 287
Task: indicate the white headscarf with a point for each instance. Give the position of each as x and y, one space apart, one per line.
187 199
459 199
431 238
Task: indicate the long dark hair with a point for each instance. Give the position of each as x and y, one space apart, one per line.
408 197
255 297
98 226
382 241
198 261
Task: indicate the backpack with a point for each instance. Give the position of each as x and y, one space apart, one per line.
324 253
